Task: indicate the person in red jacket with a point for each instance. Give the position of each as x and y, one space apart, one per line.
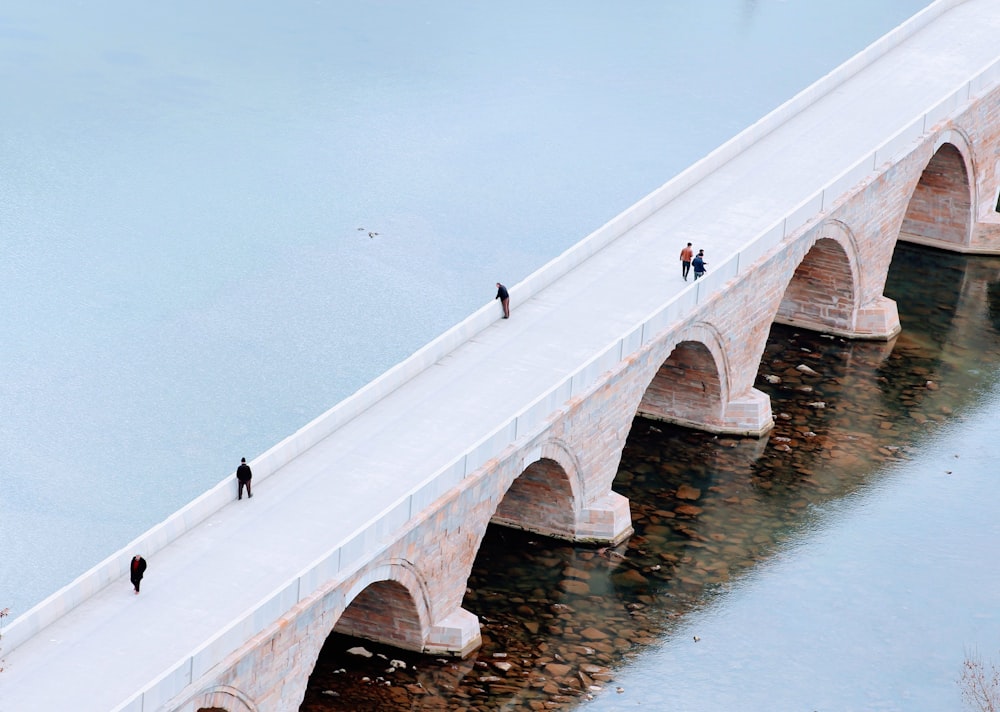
686 254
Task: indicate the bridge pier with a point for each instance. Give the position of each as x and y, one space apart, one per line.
456 634
878 321
607 520
986 238
749 415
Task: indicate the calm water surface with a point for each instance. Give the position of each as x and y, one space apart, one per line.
845 562
186 191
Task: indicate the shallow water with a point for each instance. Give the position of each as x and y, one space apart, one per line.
845 562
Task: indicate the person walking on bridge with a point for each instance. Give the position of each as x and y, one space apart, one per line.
136 568
699 264
504 296
244 475
686 254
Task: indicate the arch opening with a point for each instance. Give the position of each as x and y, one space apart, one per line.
820 295
686 390
940 209
383 621
540 500
384 612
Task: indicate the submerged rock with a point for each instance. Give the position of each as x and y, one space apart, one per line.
688 492
593 634
688 509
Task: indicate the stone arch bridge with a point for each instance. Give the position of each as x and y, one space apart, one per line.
368 520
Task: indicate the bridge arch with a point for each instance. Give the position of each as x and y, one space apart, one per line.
822 292
941 205
691 386
221 698
547 496
388 604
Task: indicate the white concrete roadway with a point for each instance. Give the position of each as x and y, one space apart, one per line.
112 645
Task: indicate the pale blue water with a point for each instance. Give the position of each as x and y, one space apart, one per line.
184 280
874 608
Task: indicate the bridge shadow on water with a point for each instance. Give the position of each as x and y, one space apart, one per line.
558 620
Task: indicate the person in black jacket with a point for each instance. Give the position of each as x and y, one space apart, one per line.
699 264
244 475
136 569
504 298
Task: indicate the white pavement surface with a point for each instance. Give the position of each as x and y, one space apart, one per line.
116 642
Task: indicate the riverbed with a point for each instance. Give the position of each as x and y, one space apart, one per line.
847 561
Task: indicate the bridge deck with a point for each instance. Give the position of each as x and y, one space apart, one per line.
113 644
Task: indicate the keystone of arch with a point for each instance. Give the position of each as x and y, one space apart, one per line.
219 697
